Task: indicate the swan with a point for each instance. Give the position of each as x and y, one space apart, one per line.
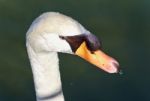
53 32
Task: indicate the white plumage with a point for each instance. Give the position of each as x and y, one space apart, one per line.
44 40
43 43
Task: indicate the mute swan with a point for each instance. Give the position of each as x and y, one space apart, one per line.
53 32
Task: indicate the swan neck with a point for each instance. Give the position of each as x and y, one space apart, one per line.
46 75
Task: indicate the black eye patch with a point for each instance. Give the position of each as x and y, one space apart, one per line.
91 40
74 41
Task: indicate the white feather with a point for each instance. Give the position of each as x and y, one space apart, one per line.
43 43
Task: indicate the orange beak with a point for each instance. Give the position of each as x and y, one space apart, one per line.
98 58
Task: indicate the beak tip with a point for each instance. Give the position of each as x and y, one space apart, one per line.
115 67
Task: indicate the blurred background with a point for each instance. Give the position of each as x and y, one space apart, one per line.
122 25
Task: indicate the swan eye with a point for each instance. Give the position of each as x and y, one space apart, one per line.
74 41
62 37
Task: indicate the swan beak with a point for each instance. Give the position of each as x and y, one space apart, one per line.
98 58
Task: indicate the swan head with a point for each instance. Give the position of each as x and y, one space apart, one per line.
55 32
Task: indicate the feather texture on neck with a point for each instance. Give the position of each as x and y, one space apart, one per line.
45 68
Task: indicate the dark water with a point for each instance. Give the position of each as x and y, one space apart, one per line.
123 26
